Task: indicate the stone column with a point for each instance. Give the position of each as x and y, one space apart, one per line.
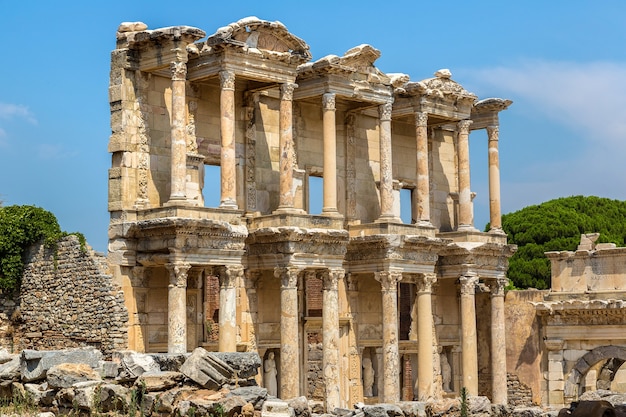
330 337
289 337
386 174
178 146
177 308
423 180
286 197
495 214
330 155
498 343
425 336
228 276
465 195
469 351
391 357
228 163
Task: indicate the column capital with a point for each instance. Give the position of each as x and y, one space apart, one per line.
228 275
286 91
421 119
384 111
497 286
425 282
288 276
464 125
179 71
227 80
468 284
492 132
330 278
178 274
328 101
388 280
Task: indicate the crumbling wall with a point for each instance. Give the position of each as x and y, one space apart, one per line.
67 300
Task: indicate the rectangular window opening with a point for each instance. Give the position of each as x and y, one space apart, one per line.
212 188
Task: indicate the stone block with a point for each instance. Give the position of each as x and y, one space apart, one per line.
245 364
276 408
136 363
206 370
10 370
34 365
159 381
66 375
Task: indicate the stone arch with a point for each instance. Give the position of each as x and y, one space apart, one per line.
602 353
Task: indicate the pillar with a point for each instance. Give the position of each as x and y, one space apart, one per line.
330 338
286 196
228 276
495 213
465 198
425 336
498 343
386 174
178 146
228 198
177 308
469 353
289 337
330 155
391 357
423 181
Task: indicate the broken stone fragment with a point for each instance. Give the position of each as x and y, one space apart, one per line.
35 364
159 381
276 408
443 73
206 369
131 27
66 375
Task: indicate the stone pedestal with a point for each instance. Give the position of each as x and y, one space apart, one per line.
228 170
289 338
330 337
177 308
228 277
469 351
391 357
465 195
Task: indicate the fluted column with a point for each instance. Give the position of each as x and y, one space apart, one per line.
425 337
330 155
177 308
286 197
228 167
469 353
178 144
228 276
289 346
465 198
423 180
330 337
386 174
498 342
495 213
391 357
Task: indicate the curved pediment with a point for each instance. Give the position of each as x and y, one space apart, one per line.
441 86
254 33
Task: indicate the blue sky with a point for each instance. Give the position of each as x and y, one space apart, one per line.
563 63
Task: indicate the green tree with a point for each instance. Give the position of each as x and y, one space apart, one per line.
21 227
556 225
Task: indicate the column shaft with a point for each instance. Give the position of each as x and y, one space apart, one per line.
495 214
391 356
330 338
465 197
178 146
286 197
498 343
228 198
386 174
177 308
423 180
228 308
425 337
469 352
330 155
289 337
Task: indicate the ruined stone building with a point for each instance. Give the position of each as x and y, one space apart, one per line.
351 303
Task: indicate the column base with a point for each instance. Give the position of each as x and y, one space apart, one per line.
178 202
288 210
331 213
388 219
229 204
466 228
497 231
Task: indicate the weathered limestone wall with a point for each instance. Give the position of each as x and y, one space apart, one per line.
444 179
68 300
524 350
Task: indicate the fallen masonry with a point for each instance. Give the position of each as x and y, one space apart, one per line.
201 383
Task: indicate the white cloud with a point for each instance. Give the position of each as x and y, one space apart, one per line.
11 111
